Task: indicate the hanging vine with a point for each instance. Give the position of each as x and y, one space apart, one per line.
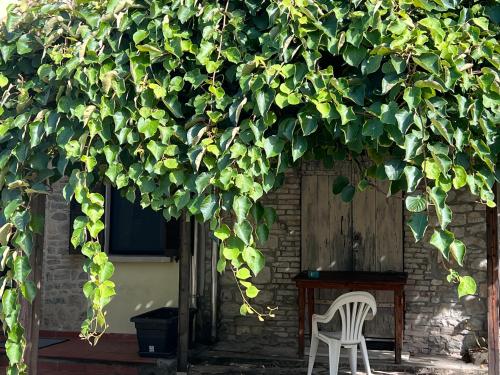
202 105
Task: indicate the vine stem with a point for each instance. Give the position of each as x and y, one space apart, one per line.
219 48
260 315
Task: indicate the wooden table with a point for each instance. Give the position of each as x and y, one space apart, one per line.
394 281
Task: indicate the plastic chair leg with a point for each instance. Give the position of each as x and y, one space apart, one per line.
353 359
364 353
312 354
334 357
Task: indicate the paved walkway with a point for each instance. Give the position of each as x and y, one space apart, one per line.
381 364
116 355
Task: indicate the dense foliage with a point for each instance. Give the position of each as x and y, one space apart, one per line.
202 105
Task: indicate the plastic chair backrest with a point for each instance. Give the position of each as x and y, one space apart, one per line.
353 308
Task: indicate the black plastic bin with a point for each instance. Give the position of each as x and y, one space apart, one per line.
157 332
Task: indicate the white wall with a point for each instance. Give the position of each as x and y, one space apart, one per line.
141 287
3 7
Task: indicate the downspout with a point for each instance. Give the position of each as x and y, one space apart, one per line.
194 281
213 299
194 267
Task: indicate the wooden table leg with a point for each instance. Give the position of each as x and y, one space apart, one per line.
310 306
302 314
398 324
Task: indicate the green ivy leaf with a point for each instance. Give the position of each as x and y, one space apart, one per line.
241 207
262 232
139 36
273 146
252 291
444 213
308 123
428 61
347 193
373 128
264 100
25 44
371 64
232 54
221 265
354 55
466 286
339 184
269 216
95 228
412 96
3 80
457 249
21 219
208 207
243 273
21 268
5 233
28 290
418 223
299 147
413 177
232 248
147 127
442 239
14 351
244 231
412 144
254 259
416 203
106 271
394 169
223 232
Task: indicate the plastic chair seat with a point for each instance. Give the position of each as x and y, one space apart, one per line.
353 309
327 336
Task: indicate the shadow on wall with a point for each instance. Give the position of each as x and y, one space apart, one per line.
141 287
437 321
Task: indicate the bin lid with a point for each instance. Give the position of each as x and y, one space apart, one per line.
161 314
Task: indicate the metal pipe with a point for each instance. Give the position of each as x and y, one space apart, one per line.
214 280
194 283
194 267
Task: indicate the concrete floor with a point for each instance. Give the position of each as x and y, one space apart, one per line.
118 356
382 363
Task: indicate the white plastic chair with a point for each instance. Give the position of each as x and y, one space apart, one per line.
353 309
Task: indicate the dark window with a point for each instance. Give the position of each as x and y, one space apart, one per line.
136 231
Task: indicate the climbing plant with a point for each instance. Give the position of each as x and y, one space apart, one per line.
200 106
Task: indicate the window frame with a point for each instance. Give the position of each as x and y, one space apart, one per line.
130 258
104 236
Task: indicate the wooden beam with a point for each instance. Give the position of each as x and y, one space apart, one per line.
31 313
493 286
184 296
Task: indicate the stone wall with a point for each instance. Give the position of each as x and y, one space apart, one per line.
436 320
277 335
63 305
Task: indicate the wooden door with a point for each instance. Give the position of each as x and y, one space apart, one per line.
364 235
326 228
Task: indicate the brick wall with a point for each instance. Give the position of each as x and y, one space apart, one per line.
436 320
282 251
63 304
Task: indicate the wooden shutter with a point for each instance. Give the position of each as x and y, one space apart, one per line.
364 235
326 220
